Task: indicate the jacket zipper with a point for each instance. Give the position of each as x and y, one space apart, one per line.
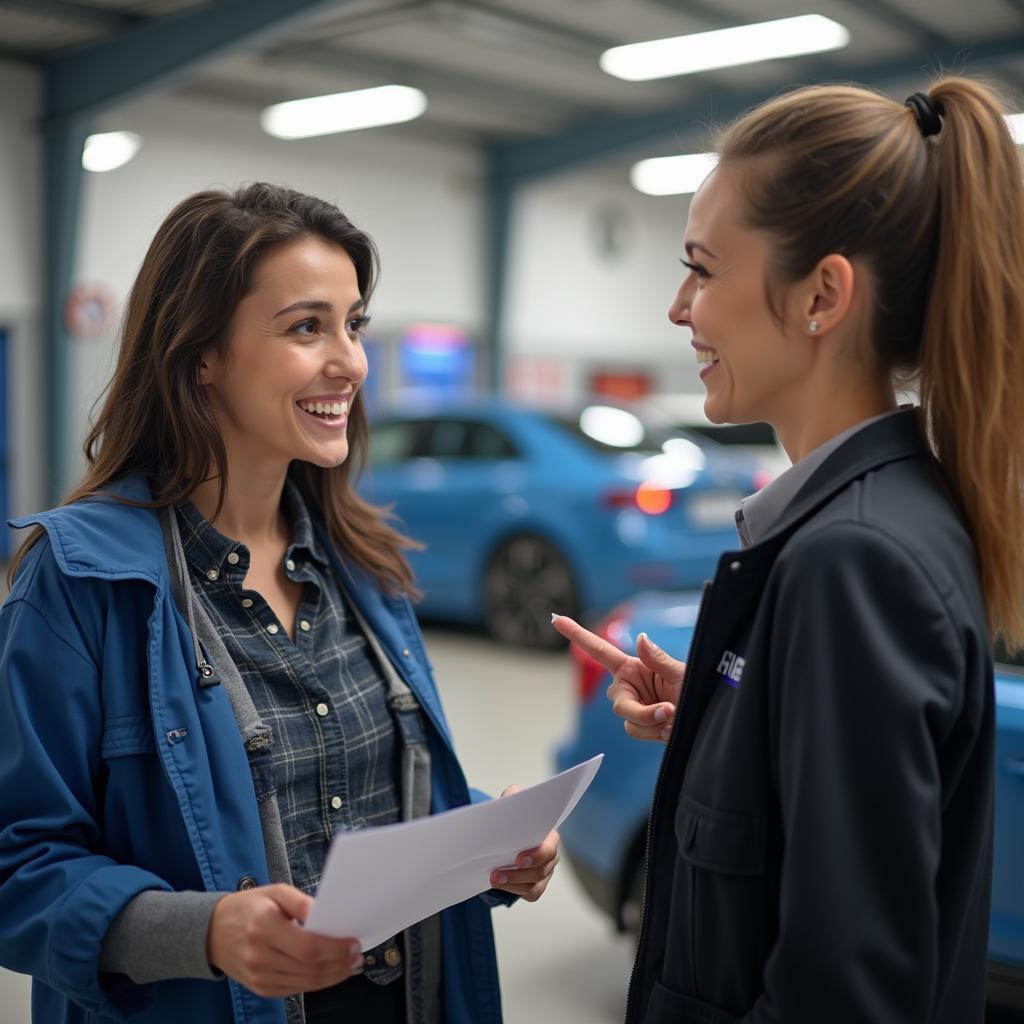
650 819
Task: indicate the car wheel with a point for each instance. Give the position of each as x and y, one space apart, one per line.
527 580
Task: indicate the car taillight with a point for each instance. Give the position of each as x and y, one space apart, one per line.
589 672
649 498
652 499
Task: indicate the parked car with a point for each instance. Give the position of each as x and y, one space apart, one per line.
754 441
604 837
525 511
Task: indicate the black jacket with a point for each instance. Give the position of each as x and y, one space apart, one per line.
820 842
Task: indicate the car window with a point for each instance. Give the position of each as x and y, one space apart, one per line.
390 442
623 432
485 442
442 439
462 439
743 433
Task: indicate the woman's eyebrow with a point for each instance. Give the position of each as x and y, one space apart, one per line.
320 305
690 246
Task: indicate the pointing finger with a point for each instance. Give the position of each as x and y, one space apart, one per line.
601 651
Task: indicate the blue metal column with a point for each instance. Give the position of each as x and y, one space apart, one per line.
64 140
501 195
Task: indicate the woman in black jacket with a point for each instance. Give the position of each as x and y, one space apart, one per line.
820 838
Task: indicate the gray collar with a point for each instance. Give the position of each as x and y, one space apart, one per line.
759 512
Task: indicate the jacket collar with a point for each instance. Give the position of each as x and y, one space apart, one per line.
105 538
889 439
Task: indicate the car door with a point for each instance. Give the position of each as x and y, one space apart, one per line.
1006 937
442 475
395 478
463 468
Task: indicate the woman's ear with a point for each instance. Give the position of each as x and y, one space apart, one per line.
829 293
204 371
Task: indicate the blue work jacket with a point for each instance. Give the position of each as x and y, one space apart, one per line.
118 774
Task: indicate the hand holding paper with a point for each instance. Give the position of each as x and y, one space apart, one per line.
533 868
378 881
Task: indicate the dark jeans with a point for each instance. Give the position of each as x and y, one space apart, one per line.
357 1000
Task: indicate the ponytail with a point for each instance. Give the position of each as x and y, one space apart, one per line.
938 215
972 350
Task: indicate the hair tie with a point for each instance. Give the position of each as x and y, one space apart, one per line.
927 112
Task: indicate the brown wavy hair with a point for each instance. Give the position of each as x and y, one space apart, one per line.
154 418
939 220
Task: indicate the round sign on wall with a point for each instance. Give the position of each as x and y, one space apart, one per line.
90 311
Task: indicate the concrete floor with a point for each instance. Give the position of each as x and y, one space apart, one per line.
560 962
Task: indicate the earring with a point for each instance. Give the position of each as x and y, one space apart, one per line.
813 326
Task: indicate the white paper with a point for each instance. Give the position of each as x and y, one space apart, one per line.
377 881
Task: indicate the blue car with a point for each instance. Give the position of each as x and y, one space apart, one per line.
524 512
604 837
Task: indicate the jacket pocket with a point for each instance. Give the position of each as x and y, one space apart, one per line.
128 734
668 1007
717 910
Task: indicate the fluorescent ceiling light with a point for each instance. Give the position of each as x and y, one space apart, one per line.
109 150
343 112
672 175
1015 122
724 48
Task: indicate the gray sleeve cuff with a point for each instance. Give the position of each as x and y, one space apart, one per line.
161 935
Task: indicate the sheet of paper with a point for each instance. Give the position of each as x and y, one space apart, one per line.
377 881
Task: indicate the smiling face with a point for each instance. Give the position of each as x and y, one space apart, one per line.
294 360
753 368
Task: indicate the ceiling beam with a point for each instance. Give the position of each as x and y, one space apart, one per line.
430 78
896 17
372 20
600 137
80 14
703 10
544 27
111 70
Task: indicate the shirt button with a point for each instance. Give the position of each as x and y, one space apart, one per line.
392 957
272 629
289 564
336 802
246 602
212 574
322 709
735 566
405 652
304 626
370 959
244 884
233 558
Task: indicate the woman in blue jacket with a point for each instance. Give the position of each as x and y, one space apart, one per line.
210 662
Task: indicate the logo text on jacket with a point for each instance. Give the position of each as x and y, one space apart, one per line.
731 668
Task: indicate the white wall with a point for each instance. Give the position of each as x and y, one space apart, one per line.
574 296
21 226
